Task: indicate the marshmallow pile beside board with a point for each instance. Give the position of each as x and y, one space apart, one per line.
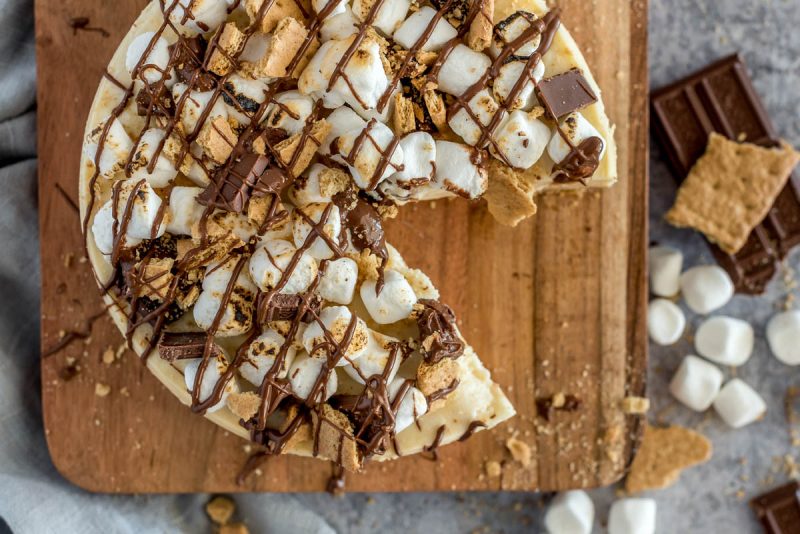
572 512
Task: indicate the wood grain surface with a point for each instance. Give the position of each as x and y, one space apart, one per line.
556 305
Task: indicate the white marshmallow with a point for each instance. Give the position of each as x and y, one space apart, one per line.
213 373
696 383
117 148
261 357
281 229
510 29
483 108
571 512
238 315
145 209
340 26
577 130
255 48
303 375
411 407
342 120
388 17
271 260
632 516
374 359
103 230
462 69
456 171
242 97
290 112
738 404
195 104
725 340
412 29
783 336
339 6
164 170
507 78
154 67
184 211
331 227
665 322
395 301
338 282
336 320
419 156
665 271
521 139
369 154
199 16
706 288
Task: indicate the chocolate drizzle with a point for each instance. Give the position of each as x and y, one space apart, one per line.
437 330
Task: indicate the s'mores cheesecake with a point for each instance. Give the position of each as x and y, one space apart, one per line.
240 160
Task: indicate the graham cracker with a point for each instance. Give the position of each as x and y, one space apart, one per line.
231 39
731 189
509 196
403 116
481 27
436 377
336 438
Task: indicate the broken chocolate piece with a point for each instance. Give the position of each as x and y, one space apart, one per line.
565 93
232 186
272 181
437 332
779 510
281 307
580 163
184 346
164 104
188 64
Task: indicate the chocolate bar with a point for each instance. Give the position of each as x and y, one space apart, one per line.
721 98
779 510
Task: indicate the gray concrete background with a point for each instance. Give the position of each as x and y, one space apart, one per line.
684 35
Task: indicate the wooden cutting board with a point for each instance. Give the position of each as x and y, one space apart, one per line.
556 305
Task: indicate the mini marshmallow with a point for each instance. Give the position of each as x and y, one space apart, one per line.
336 320
238 315
213 373
369 154
388 17
783 336
144 211
302 227
725 340
666 264
342 120
395 301
270 262
374 360
242 97
419 156
411 407
412 29
577 130
164 170
483 108
462 69
184 211
303 375
738 404
456 170
338 282
199 16
571 512
338 7
706 288
696 383
510 29
117 146
340 26
154 67
290 112
194 106
665 322
261 357
521 139
506 80
255 48
103 230
632 516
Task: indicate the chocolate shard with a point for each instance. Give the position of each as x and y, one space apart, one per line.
234 182
779 509
164 105
438 336
363 221
272 182
188 62
565 93
721 98
280 307
174 346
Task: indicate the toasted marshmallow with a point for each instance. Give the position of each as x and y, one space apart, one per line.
242 97
333 7
198 16
213 373
456 170
238 314
290 112
783 336
342 120
255 48
484 108
103 230
336 320
725 340
632 516
164 170
281 229
144 211
261 357
339 26
303 376
227 221
508 30
302 227
665 271
117 147
153 67
577 130
388 17
665 322
395 301
462 69
184 211
270 262
507 79
571 512
338 282
706 288
413 28
696 383
375 359
369 153
521 140
419 158
738 404
411 407
195 106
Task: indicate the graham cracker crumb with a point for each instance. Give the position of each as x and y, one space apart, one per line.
387 211
243 405
635 405
437 377
230 41
307 144
258 209
519 450
336 438
509 197
436 108
493 469
284 45
155 279
368 264
279 10
108 355
102 390
333 181
403 116
482 26
217 139
234 528
220 509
